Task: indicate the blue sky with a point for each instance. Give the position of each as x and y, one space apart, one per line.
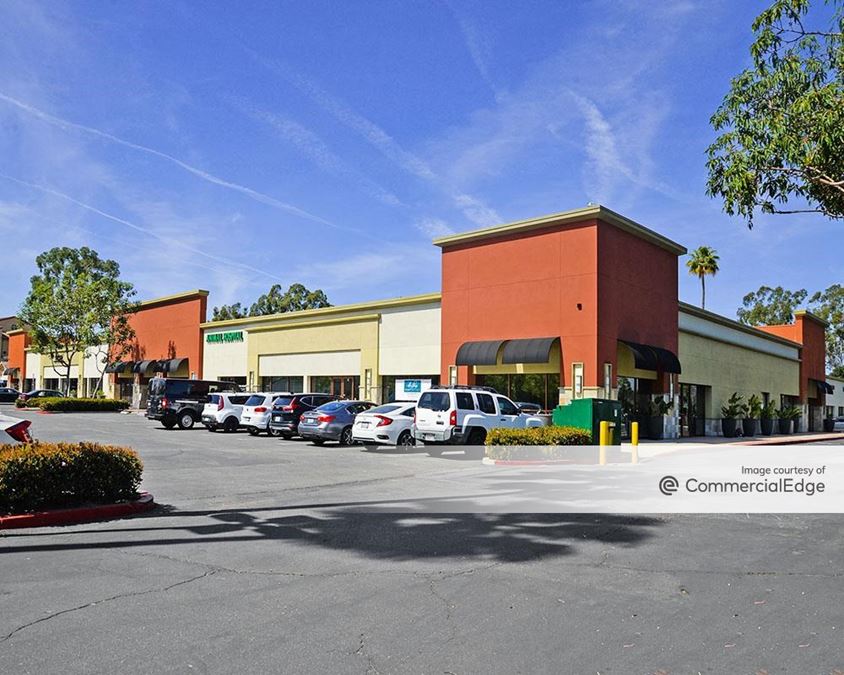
230 146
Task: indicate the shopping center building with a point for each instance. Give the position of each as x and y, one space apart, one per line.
576 304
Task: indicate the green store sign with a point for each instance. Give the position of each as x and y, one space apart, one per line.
220 338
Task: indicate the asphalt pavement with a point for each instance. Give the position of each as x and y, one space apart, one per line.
262 557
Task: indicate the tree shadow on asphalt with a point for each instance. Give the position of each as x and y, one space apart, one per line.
503 537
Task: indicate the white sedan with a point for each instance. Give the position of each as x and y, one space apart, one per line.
387 424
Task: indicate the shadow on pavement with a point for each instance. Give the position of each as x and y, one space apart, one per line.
390 536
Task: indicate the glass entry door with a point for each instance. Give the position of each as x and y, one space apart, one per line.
692 410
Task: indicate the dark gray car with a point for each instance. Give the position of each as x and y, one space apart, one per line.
332 421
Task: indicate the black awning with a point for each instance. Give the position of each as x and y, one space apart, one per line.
643 356
172 365
483 353
143 367
668 361
528 350
824 387
648 357
119 367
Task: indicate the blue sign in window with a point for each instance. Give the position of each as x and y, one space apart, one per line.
413 386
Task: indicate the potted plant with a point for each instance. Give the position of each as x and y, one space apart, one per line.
829 423
657 409
785 415
730 412
751 411
766 418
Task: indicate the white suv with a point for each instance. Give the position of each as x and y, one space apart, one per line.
257 412
462 415
223 411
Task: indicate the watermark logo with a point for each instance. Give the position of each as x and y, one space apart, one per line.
668 485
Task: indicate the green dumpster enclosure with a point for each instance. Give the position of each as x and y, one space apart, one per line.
588 413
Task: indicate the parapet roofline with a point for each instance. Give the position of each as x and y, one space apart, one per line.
403 301
594 211
730 323
176 297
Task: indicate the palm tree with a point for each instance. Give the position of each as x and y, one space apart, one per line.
702 261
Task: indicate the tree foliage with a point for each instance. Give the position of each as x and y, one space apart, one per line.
782 122
76 302
703 261
276 301
770 306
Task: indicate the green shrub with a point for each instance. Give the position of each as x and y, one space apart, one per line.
58 475
81 404
552 435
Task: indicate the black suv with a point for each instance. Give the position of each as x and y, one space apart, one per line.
174 401
287 410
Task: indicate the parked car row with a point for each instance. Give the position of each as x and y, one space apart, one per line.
10 395
443 416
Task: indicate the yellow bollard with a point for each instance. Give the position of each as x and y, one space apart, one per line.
634 441
604 441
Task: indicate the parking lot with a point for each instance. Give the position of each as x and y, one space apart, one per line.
260 558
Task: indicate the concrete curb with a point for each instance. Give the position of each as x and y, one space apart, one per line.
84 514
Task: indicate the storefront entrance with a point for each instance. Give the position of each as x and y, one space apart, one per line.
634 394
692 410
342 386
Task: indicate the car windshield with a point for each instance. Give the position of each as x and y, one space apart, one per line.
438 401
331 406
257 399
384 409
282 401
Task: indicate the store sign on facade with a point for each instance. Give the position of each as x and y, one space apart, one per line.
233 336
410 390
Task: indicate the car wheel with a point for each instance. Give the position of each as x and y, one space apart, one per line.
346 436
186 421
230 425
168 424
405 440
253 431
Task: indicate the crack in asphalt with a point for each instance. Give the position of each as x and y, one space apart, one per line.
119 596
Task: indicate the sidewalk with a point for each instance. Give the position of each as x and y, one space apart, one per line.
651 448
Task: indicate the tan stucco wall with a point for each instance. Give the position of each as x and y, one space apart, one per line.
728 368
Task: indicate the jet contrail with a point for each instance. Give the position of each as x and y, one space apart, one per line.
150 233
211 178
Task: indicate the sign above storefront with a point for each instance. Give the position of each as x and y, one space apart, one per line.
233 336
410 390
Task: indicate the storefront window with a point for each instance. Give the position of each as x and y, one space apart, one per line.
291 384
342 386
539 388
692 410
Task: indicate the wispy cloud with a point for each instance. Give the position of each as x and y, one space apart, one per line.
170 241
316 150
478 44
433 228
204 175
379 139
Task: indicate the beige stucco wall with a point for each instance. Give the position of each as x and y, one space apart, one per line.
836 399
224 359
409 340
728 368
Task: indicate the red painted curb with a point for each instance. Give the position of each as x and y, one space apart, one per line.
84 514
526 462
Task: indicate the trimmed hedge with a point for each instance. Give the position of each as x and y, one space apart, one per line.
68 404
539 436
535 443
59 475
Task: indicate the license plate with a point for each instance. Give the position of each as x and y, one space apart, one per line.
428 437
363 425
276 418
245 418
308 420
